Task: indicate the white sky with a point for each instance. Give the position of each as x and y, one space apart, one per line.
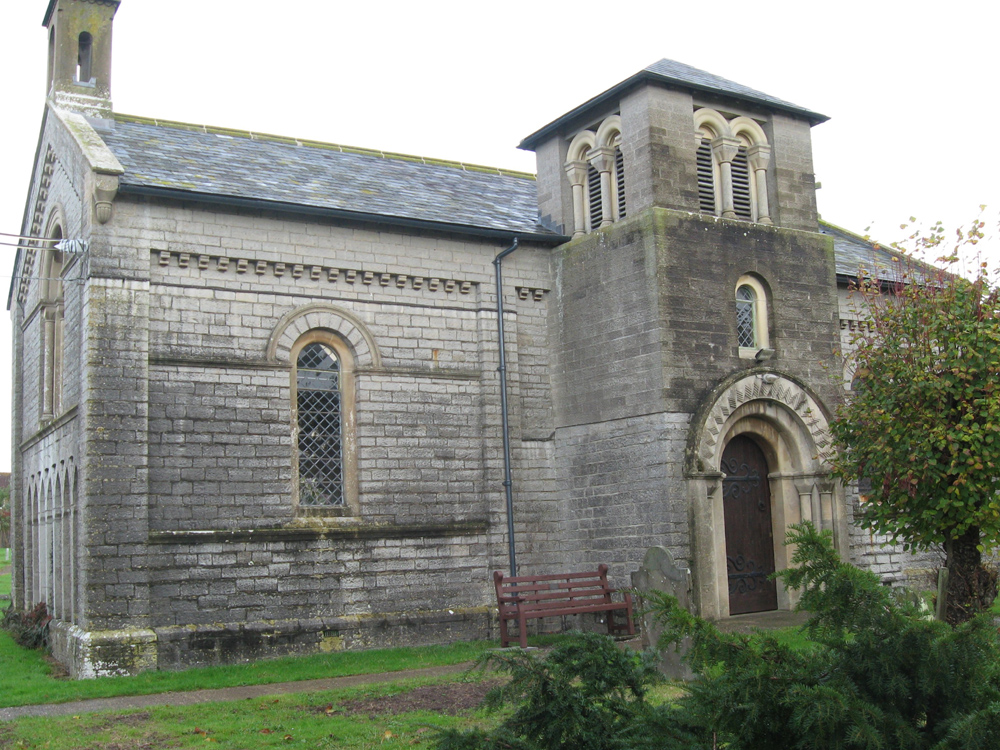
912 94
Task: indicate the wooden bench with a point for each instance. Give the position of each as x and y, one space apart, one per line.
524 598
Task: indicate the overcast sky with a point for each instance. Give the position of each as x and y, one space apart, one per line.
912 94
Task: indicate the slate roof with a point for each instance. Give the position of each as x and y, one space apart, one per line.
170 158
671 73
164 158
852 252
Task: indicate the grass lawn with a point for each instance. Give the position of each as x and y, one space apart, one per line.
26 677
315 720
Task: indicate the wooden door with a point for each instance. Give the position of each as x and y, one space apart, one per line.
749 536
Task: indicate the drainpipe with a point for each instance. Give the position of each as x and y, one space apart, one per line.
502 369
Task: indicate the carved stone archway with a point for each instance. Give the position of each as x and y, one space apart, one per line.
791 426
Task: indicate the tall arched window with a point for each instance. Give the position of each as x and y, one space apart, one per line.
746 324
323 425
751 316
320 426
51 298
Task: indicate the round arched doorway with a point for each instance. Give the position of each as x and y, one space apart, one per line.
746 495
762 437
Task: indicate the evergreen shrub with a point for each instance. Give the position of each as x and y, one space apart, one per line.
879 675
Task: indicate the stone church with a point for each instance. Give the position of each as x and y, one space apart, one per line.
257 401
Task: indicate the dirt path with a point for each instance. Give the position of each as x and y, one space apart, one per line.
193 697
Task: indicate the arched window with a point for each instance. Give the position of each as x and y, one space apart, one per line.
84 60
746 324
51 298
751 316
323 425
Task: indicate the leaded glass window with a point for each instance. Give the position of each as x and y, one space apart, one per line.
320 427
746 302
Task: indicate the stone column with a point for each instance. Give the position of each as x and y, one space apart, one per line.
603 160
577 173
806 510
724 150
710 584
759 156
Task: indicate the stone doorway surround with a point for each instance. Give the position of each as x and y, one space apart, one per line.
790 424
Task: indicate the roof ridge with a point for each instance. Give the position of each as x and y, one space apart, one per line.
309 143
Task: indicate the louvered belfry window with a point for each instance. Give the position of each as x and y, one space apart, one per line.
620 181
745 317
706 178
320 427
594 196
741 185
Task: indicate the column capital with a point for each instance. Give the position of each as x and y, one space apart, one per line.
576 171
759 155
602 158
725 149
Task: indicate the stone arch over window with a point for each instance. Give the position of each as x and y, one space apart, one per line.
324 454
731 164
595 167
790 426
348 326
751 316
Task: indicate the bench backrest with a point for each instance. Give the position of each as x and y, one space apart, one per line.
555 588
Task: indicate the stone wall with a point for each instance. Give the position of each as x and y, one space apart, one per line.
229 556
644 328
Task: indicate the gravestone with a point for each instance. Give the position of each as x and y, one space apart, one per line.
658 572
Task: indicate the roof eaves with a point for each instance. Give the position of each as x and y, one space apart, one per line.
334 213
643 76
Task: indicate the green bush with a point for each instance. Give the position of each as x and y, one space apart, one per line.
29 629
587 694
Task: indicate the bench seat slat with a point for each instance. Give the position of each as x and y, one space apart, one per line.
521 598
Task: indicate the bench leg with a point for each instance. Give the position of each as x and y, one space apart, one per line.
504 639
522 627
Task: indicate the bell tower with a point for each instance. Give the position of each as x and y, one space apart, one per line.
79 72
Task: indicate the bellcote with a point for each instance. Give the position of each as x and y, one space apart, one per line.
676 137
79 71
